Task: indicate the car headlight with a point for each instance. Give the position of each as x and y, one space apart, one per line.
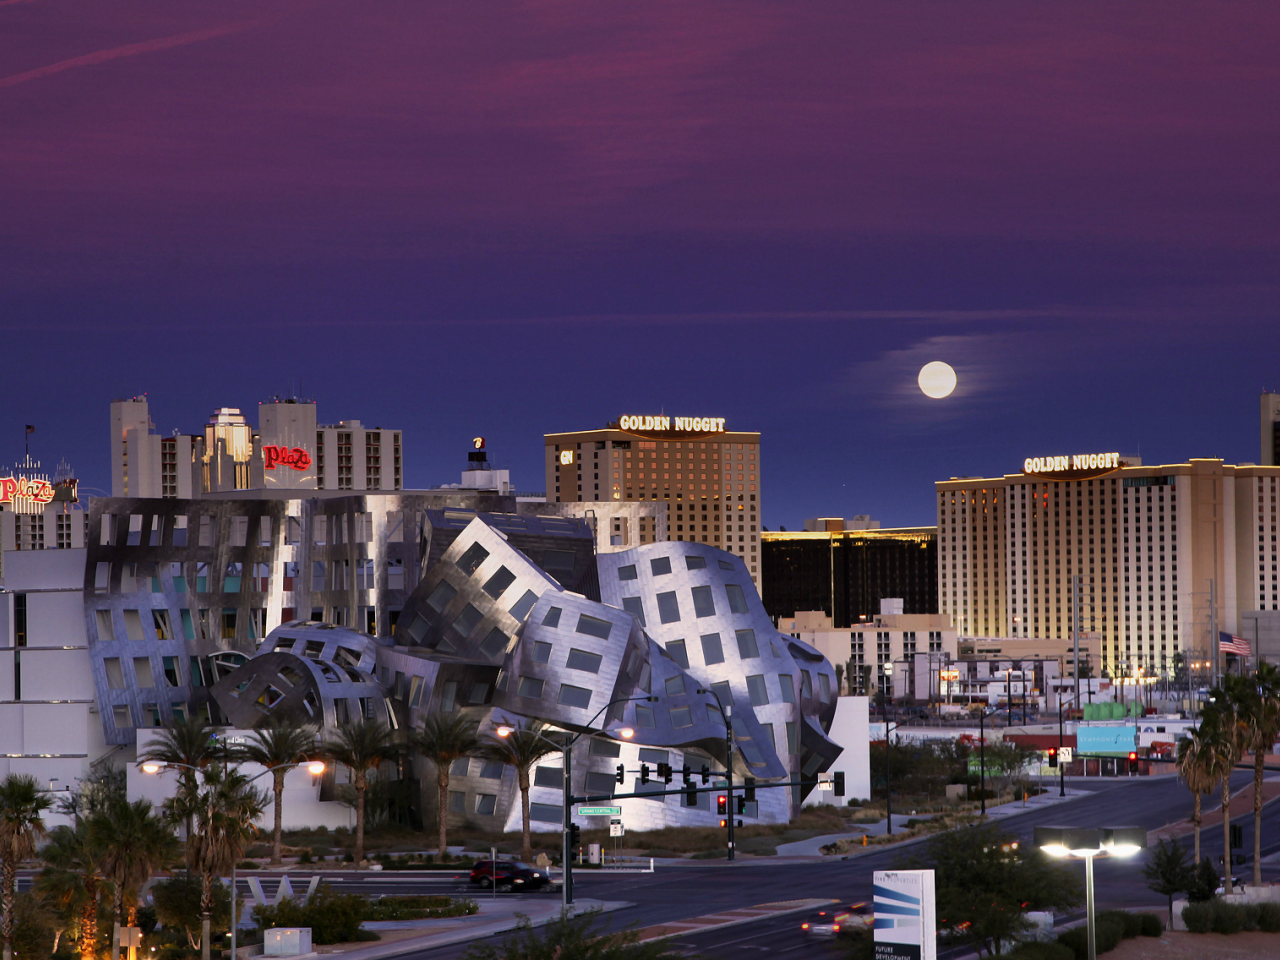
536 876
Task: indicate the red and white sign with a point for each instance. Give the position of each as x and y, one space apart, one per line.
297 458
13 489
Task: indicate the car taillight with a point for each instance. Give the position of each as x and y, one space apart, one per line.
836 928
804 926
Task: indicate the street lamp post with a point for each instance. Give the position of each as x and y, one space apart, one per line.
1086 843
982 759
565 747
726 711
314 767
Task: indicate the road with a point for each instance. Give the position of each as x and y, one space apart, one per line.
693 888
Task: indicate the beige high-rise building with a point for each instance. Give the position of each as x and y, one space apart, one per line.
1270 429
707 477
1147 545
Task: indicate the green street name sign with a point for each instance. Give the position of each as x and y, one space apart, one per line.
599 811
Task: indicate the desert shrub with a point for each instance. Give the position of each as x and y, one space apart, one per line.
1269 917
305 855
1040 951
333 917
1107 934
1217 916
1153 926
1203 882
420 907
1130 923
246 865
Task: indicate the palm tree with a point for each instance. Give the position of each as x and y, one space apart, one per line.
223 812
445 739
359 747
278 745
134 843
1259 699
1226 737
1197 764
191 742
522 748
21 828
72 882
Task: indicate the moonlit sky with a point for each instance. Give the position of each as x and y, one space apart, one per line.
512 218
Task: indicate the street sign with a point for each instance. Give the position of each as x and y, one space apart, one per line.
599 811
905 922
616 829
1064 754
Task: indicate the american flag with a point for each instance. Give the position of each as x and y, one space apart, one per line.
1231 644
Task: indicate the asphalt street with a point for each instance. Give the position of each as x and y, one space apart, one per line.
692 888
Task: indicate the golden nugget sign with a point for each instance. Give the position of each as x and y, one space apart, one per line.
13 489
1083 461
686 424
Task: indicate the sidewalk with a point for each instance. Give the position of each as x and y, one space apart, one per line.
729 918
495 916
1211 810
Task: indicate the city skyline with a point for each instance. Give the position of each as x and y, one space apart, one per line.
541 220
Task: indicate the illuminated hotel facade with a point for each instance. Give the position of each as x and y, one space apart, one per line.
1148 544
705 476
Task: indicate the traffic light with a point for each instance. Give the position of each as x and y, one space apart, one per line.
665 772
644 773
1053 756
685 775
1133 761
691 796
742 805
575 835
722 805
706 774
1237 837
837 780
724 823
621 775
748 789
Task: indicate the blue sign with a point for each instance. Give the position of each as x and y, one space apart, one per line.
1108 741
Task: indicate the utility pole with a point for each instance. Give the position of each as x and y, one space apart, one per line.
1075 633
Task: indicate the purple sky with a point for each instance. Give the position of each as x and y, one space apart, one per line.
507 219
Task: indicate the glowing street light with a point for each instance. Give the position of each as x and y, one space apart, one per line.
1085 843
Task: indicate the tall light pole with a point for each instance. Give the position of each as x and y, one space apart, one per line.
565 746
1086 843
314 767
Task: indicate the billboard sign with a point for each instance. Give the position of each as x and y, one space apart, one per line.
905 923
1108 741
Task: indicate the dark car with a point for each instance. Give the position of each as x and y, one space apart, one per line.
508 875
821 925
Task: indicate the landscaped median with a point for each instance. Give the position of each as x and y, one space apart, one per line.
728 918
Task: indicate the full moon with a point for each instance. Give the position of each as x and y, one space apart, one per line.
937 379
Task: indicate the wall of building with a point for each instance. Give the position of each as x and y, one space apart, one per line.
850 730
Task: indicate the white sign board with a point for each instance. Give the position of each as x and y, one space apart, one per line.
1064 754
617 830
905 926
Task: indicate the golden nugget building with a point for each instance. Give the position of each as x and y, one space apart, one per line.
1161 556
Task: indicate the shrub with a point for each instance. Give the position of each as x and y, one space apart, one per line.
1130 923
1217 916
1153 926
1269 917
1203 882
246 865
1107 933
420 908
333 917
1040 951
304 856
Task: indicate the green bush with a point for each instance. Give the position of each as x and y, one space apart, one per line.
1107 934
1152 926
1269 917
420 908
1040 951
1217 916
1130 923
1203 882
333 917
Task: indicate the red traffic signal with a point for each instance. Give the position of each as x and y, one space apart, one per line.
722 805
1132 756
723 824
1053 756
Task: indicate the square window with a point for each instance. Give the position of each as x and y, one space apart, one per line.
681 717
545 813
574 696
552 619
582 660
675 686
703 604
460 767
486 804
549 777
594 627
605 748
628 572
520 609
756 688
644 717
747 644
530 687
712 652
467 620
679 654
457 801
726 564
788 686
601 783
441 595
660 566
695 563
495 643
634 607
471 560
499 582
737 599
541 652
668 607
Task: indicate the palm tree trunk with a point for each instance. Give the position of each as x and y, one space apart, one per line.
1195 822
89 926
275 831
7 897
117 910
442 784
206 909
1259 759
526 847
1226 833
362 784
